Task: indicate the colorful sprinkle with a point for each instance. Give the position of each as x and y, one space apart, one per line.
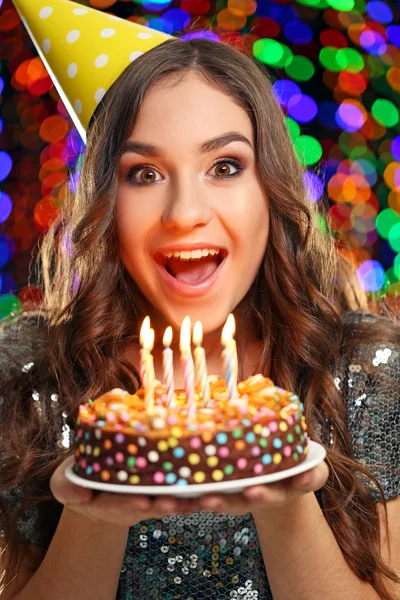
122 475
185 472
194 459
199 476
178 452
287 451
277 443
153 456
277 458
168 466
173 441
131 461
255 451
170 478
217 475
240 445
290 438
212 461
132 449
109 461
250 437
283 426
273 426
266 459
134 479
96 451
141 462
176 431
107 444
96 467
105 475
223 452
195 443
222 438
228 470
158 477
210 450
237 433
162 446
258 468
119 457
241 463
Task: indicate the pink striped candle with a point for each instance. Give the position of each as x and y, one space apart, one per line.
168 366
200 362
188 367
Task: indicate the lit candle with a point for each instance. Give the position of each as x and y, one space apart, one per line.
228 355
200 362
147 364
142 337
187 366
232 346
168 366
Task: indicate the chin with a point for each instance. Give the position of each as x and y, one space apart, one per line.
211 317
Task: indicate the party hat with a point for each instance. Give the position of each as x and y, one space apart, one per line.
84 50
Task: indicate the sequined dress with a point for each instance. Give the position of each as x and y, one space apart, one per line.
207 556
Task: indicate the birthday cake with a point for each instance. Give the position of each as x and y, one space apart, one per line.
261 431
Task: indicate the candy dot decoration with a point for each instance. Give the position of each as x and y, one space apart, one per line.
256 430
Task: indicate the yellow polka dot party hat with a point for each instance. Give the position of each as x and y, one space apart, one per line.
84 50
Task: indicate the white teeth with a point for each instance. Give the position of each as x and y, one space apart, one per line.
192 254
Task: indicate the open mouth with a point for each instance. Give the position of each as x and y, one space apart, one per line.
191 267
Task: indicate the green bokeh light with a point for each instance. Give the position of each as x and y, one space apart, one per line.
300 69
308 149
293 127
396 266
271 52
9 304
385 221
343 5
350 59
327 58
394 237
385 112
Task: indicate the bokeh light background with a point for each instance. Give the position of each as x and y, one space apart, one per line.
336 71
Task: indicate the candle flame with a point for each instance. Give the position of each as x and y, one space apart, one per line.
198 333
185 334
148 339
143 330
167 339
228 330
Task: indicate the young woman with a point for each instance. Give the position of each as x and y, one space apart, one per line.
189 150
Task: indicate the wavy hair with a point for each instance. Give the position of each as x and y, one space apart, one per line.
92 306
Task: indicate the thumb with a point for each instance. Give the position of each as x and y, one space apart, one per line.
65 491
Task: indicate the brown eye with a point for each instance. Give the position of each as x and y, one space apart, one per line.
147 176
222 169
142 176
227 168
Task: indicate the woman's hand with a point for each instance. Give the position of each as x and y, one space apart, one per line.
257 499
118 509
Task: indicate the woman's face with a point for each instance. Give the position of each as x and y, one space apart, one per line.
191 216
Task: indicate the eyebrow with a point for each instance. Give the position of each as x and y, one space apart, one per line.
208 146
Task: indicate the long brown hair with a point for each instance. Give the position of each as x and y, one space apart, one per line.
92 306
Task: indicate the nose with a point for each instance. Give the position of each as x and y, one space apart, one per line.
188 206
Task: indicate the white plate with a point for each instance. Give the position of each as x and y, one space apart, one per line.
316 454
